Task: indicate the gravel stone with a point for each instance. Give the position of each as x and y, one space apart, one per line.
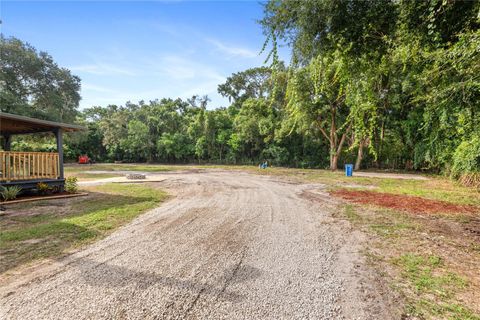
227 246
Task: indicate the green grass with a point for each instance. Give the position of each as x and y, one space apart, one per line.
91 176
430 285
385 223
426 309
391 230
351 213
434 288
420 271
52 233
436 188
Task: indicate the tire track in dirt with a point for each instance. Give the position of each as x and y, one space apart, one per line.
227 246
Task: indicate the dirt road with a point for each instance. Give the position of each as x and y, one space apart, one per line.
227 246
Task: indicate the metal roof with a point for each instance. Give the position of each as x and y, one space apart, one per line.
15 124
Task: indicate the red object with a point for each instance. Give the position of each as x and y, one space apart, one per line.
84 159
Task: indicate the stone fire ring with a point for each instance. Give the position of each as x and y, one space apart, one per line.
136 176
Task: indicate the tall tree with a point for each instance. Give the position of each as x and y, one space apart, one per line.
313 27
32 84
351 31
316 100
251 83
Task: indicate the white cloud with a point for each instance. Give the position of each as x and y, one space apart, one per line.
158 76
103 69
232 50
111 78
92 87
178 67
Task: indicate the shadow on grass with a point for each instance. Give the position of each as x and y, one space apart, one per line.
43 242
58 228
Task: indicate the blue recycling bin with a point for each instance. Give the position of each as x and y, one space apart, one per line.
348 170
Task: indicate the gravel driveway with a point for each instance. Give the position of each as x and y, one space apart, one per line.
227 246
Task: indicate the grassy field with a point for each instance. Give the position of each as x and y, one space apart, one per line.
429 260
83 176
436 187
49 229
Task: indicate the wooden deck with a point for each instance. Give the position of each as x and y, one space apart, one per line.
23 166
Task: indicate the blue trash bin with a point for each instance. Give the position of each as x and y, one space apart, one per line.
348 170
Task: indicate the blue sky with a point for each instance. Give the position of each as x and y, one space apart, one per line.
142 50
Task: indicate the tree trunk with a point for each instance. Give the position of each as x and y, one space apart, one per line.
334 162
336 149
335 145
380 147
359 156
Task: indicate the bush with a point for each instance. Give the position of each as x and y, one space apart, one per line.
10 193
275 154
71 185
466 162
42 188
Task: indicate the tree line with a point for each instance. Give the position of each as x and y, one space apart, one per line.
383 84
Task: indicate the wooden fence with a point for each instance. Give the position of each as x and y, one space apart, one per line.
16 166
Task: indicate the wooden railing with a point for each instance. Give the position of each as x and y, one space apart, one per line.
16 166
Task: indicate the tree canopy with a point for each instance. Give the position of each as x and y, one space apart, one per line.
31 83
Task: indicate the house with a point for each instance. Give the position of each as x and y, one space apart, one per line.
27 169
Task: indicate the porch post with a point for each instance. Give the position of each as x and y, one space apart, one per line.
7 142
59 136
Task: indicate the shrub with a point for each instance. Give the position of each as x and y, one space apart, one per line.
71 185
466 162
470 179
275 154
10 193
42 188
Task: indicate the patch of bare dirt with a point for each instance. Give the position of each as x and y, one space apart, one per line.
404 203
473 227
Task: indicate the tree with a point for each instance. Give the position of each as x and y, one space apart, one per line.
86 142
254 127
314 27
174 146
251 83
135 143
316 101
32 84
432 85
353 32
451 97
